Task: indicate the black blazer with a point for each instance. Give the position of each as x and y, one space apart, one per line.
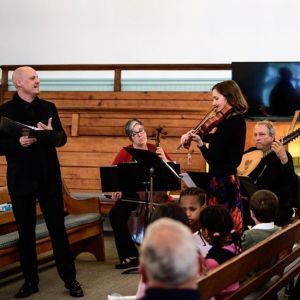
35 168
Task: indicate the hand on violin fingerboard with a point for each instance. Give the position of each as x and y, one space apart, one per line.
191 136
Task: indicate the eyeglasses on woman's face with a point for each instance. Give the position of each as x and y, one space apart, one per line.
139 132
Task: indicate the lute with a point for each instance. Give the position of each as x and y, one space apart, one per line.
251 159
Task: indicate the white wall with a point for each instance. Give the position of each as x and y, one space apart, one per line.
148 31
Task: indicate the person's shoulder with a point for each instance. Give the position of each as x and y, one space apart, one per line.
259 234
9 109
151 147
123 150
9 103
6 105
122 156
237 119
234 121
250 233
248 239
46 102
250 149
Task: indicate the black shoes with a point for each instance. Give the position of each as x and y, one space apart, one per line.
75 289
29 288
26 290
128 263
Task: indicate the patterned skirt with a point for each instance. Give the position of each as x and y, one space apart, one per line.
226 191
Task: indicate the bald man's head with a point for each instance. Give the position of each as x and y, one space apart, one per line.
27 83
20 72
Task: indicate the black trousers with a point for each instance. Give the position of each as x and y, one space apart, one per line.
24 208
118 217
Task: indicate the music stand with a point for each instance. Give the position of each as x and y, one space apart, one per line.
149 173
201 179
166 178
248 188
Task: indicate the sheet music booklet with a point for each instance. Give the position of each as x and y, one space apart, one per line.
187 180
16 128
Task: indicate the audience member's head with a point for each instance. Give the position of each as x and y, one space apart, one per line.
217 227
170 210
168 257
263 206
193 200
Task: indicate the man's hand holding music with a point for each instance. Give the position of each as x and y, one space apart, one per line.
115 196
41 125
26 141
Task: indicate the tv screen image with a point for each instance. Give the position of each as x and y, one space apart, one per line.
272 89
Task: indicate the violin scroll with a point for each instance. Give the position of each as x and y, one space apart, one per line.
159 132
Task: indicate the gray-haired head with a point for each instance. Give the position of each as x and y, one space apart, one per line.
168 253
269 125
130 125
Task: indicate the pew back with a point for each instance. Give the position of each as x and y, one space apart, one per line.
277 245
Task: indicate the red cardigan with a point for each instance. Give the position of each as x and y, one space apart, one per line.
124 156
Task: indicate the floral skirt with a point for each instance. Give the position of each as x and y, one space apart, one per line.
226 191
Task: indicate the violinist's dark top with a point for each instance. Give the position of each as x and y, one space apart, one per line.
226 147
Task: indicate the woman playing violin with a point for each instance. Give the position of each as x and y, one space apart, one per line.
120 213
226 146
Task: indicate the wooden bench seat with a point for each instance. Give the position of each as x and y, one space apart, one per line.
273 279
105 203
84 226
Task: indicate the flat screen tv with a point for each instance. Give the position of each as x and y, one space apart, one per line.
272 89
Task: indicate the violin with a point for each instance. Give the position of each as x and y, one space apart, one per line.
212 119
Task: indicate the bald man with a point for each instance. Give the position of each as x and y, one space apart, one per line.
169 261
33 172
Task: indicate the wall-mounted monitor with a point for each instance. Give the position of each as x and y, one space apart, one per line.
272 89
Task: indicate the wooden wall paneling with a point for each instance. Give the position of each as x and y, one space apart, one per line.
75 124
82 157
95 122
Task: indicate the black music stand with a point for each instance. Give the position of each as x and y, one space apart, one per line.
149 173
201 179
248 188
161 176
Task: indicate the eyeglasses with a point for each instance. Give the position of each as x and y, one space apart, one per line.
135 133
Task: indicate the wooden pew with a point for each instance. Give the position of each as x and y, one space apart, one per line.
84 226
254 258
